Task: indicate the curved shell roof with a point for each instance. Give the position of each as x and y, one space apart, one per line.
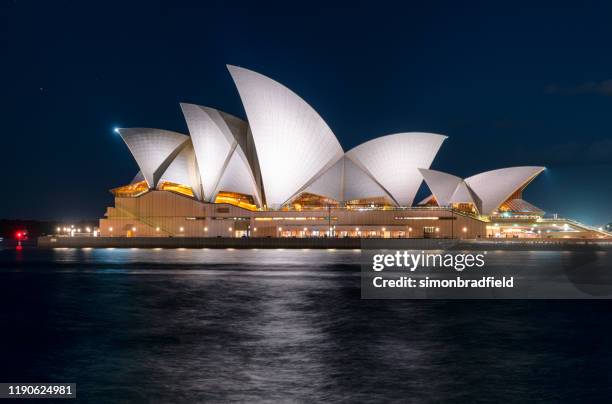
345 181
183 170
441 185
448 188
153 150
464 194
496 186
215 136
294 144
330 183
393 161
360 185
238 177
287 148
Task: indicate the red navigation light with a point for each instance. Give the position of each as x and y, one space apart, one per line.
21 235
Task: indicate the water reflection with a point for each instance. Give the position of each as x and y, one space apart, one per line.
214 325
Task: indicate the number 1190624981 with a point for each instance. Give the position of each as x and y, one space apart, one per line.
26 390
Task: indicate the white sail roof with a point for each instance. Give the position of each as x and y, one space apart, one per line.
294 144
330 183
496 186
441 185
345 181
153 150
360 185
393 161
238 177
183 170
215 135
288 149
463 194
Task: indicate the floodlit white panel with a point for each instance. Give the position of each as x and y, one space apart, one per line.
329 184
153 150
238 177
294 144
360 185
214 135
441 185
494 187
183 170
463 194
394 160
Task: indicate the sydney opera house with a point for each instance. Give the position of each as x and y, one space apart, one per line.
283 173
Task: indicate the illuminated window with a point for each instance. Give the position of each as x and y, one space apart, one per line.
301 218
416 218
131 191
308 201
369 203
465 207
236 199
176 188
431 201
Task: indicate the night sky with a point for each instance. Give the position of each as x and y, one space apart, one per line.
509 83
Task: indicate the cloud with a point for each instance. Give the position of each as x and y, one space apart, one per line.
591 87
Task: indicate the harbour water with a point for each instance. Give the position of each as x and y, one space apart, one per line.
181 325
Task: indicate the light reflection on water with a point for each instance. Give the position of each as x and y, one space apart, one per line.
245 257
267 325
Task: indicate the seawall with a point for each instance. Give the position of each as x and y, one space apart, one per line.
320 243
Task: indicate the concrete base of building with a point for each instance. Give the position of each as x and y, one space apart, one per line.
318 243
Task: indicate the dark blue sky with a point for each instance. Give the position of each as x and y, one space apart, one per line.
510 84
